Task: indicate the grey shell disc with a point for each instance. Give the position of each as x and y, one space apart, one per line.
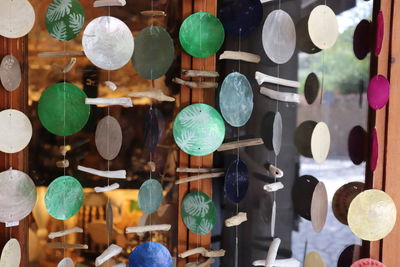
16 132
10 73
154 52
17 195
279 36
11 254
108 137
108 43
236 99
17 18
272 131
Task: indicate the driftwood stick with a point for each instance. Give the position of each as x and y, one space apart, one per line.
280 263
148 228
264 78
200 73
120 265
280 96
111 251
58 54
236 220
152 166
99 189
238 55
65 232
154 94
112 86
199 170
274 171
121 101
120 174
60 245
203 252
241 143
200 177
272 252
153 13
62 163
67 67
273 218
101 3
200 264
273 187
192 84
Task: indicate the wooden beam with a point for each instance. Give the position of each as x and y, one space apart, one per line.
17 99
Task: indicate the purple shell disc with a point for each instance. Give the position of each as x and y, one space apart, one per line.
374 150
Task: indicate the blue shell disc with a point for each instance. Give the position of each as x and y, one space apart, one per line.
151 130
150 254
236 181
236 99
240 17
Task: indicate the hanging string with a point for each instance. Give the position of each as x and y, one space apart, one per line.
64 125
108 136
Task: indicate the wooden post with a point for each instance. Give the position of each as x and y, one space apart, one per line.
17 99
186 239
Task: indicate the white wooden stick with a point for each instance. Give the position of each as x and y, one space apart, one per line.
264 78
272 252
238 55
200 264
199 170
120 265
67 67
58 54
121 101
273 218
266 1
193 84
280 96
99 189
65 232
154 94
120 174
62 163
153 13
241 143
236 220
273 187
152 166
274 171
148 228
200 73
101 3
60 245
111 251
112 86
203 252
280 263
200 177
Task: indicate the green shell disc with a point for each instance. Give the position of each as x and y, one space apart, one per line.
154 52
198 213
64 19
64 197
199 129
150 196
62 109
201 34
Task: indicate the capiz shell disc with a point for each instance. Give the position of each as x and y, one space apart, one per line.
362 39
108 137
372 215
62 109
10 73
378 92
198 212
357 145
17 18
368 263
17 195
201 34
154 52
320 142
302 195
108 43
314 259
66 262
64 197
380 31
150 254
319 207
323 27
279 36
64 19
16 132
349 255
373 161
236 99
11 254
311 88
151 130
236 181
342 199
150 196
199 129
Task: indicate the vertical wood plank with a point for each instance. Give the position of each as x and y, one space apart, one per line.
17 99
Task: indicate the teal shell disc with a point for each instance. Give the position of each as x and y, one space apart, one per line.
150 196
